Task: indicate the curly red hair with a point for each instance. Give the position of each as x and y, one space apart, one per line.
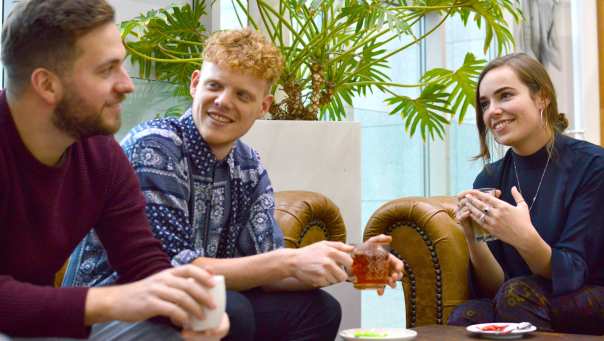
247 51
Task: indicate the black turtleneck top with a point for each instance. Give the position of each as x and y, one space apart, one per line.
568 212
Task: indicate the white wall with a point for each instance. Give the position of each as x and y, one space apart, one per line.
563 79
585 69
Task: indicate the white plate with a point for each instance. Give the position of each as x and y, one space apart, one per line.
515 334
394 334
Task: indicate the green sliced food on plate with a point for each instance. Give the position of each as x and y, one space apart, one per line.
369 333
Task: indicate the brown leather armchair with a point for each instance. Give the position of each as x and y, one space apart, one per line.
432 246
304 217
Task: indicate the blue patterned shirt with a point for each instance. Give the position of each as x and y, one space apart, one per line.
196 205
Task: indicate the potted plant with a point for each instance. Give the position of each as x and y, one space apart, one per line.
334 50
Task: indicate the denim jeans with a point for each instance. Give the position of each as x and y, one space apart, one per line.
117 330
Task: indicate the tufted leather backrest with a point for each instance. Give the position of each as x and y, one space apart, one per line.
430 242
308 217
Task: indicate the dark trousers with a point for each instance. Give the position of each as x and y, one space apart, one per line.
302 315
530 299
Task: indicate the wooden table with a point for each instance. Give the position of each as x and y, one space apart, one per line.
445 333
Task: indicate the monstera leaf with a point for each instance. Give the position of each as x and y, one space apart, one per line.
166 44
462 83
429 111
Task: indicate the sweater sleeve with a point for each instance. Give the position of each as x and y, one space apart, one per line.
582 238
29 310
124 230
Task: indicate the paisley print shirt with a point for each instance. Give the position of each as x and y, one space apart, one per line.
196 205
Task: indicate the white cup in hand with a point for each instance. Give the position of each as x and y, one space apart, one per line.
213 317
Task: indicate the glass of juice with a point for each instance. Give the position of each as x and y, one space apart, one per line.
370 266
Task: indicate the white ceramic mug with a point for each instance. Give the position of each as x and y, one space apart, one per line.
213 317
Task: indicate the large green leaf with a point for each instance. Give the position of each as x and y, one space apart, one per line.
461 83
492 14
428 112
166 44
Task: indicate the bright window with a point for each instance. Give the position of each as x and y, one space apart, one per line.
395 165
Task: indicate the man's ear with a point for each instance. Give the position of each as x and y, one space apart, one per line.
266 105
47 85
194 82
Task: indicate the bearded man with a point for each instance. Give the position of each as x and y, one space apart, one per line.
63 173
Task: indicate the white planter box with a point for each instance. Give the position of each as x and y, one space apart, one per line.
323 157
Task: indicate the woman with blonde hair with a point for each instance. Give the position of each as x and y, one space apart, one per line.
545 265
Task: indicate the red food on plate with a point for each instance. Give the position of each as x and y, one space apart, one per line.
494 328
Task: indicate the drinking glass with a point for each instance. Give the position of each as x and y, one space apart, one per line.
370 266
480 234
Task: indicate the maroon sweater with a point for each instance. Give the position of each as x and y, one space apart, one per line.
45 211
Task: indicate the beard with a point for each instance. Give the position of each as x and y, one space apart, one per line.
79 119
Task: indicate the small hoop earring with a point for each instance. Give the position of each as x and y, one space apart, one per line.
542 121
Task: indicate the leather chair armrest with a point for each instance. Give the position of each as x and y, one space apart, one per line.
308 217
59 275
433 248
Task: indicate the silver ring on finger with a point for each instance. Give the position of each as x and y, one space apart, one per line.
482 218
